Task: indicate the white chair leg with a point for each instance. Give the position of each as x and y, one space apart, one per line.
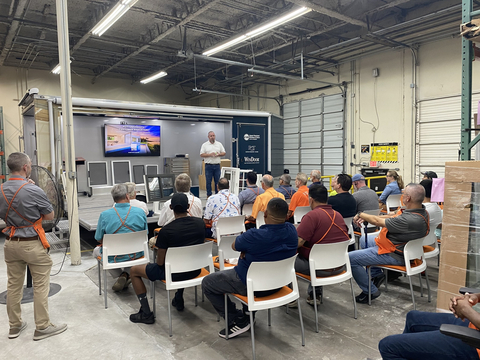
226 317
354 302
269 317
428 286
301 321
421 285
169 313
253 334
153 300
105 286
411 290
369 286
196 296
99 279
315 307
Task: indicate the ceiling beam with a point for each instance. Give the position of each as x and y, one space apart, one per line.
387 6
20 11
159 37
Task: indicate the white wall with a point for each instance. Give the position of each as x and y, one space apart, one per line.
438 75
15 81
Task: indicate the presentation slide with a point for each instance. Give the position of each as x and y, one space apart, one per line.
132 140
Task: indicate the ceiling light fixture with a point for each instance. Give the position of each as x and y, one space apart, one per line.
112 16
153 77
259 30
56 69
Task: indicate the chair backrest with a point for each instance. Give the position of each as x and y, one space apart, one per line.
230 225
188 258
260 220
349 223
393 201
431 238
225 250
125 243
247 209
375 212
329 256
414 250
299 213
270 275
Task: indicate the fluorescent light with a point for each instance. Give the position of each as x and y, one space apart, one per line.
56 69
153 77
113 15
259 30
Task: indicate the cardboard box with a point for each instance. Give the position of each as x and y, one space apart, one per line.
457 229
202 183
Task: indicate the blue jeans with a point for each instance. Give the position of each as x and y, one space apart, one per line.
369 256
422 340
212 170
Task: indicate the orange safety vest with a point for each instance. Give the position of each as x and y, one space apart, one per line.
385 246
37 225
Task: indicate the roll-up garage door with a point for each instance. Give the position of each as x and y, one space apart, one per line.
314 135
438 133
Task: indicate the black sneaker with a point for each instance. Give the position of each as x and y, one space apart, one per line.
236 329
394 275
143 318
178 303
363 297
379 280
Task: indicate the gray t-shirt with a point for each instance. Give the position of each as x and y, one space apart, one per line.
366 199
412 224
30 202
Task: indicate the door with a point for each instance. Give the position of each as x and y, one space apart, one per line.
251 147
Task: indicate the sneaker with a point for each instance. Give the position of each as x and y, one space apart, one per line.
49 331
129 281
120 283
16 331
293 305
310 299
143 318
363 297
178 303
394 275
379 280
235 329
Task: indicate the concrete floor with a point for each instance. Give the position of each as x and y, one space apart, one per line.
95 332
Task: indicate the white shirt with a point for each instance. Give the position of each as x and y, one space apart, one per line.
223 204
208 147
139 204
166 214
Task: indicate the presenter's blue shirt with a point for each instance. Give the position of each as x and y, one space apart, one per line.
391 189
109 222
269 243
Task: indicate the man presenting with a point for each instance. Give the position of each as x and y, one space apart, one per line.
387 248
212 151
23 206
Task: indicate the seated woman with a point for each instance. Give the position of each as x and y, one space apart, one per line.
422 340
394 186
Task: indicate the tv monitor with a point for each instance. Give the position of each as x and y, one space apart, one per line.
159 187
132 140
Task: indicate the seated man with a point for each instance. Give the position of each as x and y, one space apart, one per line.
316 227
429 175
300 198
122 218
343 201
285 188
132 194
366 198
183 231
183 184
262 200
276 240
249 195
421 338
222 204
315 177
387 248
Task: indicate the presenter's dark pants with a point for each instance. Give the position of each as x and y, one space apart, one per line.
212 170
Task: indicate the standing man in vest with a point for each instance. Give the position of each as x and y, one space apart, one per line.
122 218
211 152
23 207
249 195
387 248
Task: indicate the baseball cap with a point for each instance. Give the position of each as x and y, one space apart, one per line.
430 174
179 203
358 177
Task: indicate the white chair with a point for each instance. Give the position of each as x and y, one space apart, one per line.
412 251
247 209
430 244
183 259
349 223
121 244
225 251
393 201
260 220
264 276
299 213
230 225
329 256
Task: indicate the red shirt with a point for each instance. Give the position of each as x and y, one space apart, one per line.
315 224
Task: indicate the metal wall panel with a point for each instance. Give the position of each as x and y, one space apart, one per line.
291 110
311 106
291 126
311 123
311 140
333 121
333 103
310 156
333 139
291 156
291 141
332 156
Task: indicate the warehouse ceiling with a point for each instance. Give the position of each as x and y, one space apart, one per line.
171 35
